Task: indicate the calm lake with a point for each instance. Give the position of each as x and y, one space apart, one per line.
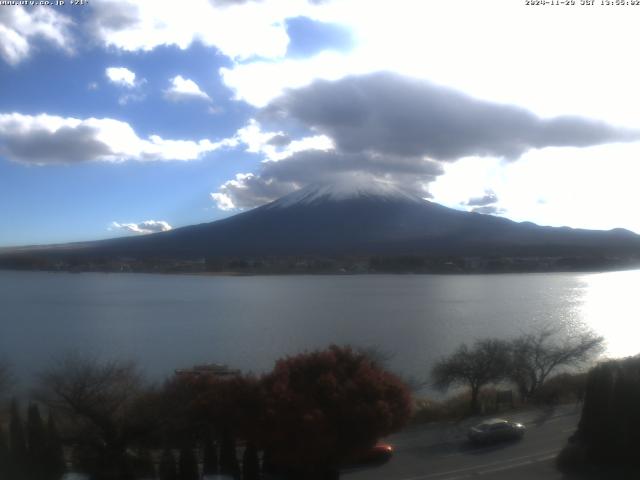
170 321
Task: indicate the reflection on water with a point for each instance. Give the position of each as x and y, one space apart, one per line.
609 304
172 321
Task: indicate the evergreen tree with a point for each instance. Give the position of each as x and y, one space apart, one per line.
36 443
56 465
188 464
167 469
17 444
4 455
210 458
228 459
250 463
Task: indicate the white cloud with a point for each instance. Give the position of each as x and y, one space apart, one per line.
275 77
552 186
121 76
19 28
46 139
184 89
240 30
247 190
259 141
223 201
148 226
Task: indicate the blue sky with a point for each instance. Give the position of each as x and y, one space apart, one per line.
125 118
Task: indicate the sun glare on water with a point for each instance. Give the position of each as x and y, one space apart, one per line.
611 307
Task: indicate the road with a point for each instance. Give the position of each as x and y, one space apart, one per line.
441 452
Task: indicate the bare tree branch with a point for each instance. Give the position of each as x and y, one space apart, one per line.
534 356
484 363
99 399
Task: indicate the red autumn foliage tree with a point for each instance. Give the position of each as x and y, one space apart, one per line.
323 407
311 414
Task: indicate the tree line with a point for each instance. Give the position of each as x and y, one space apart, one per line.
304 419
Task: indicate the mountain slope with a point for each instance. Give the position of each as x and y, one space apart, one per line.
375 220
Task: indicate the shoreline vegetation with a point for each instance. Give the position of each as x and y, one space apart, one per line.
310 414
311 265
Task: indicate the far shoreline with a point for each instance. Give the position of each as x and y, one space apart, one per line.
232 273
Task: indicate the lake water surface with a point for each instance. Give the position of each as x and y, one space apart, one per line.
170 321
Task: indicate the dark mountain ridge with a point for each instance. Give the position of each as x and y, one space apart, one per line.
321 221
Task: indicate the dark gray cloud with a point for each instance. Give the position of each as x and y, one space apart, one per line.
395 115
280 140
65 145
249 190
109 16
488 198
315 166
400 130
488 210
48 139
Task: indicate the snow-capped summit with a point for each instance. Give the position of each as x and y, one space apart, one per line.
344 190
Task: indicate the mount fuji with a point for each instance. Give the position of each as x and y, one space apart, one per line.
375 219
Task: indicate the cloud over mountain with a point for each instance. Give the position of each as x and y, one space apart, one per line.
488 210
488 198
277 178
400 129
388 113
